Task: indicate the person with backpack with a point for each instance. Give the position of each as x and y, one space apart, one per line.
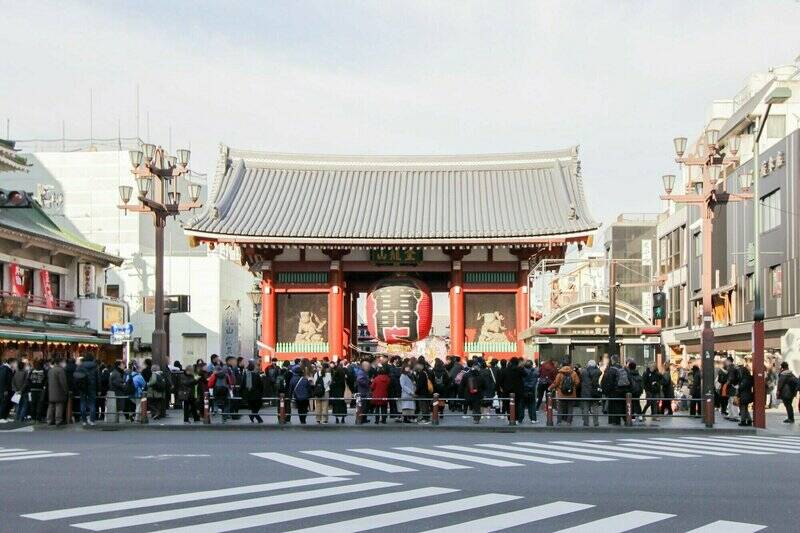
115 401
472 390
590 388
252 391
513 380
156 391
135 387
530 382
616 384
322 393
221 384
565 386
300 392
188 393
637 387
787 390
87 380
35 386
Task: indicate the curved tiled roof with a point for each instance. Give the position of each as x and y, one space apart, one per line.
287 198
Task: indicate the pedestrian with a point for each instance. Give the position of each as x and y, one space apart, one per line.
489 388
652 381
408 389
380 394
135 386
472 391
363 387
565 386
36 386
115 399
667 390
424 391
221 383
337 391
57 394
695 390
19 387
6 388
87 381
721 387
322 393
156 391
637 386
301 392
590 388
787 390
547 373
616 384
188 393
530 385
745 395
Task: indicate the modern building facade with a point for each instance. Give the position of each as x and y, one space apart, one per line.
78 188
320 230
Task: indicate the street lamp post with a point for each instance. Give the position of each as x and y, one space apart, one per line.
157 176
777 96
255 298
711 162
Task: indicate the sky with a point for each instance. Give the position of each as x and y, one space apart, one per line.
620 79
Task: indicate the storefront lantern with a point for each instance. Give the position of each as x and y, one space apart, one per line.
399 310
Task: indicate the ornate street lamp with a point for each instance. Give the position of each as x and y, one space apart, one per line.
157 175
669 182
255 298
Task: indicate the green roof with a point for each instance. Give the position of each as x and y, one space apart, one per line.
35 222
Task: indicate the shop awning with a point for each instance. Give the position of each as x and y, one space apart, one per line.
31 336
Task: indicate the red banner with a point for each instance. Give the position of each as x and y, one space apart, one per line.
44 279
17 277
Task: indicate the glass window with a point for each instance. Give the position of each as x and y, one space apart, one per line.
112 291
55 285
770 211
697 240
776 127
776 282
675 305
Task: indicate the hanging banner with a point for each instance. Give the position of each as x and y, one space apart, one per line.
17 276
47 291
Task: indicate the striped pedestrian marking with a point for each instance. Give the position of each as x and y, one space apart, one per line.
4 451
739 448
766 446
548 449
305 464
586 448
359 461
178 498
403 516
424 461
460 457
649 449
619 523
768 441
617 447
495 450
725 526
35 455
647 443
514 518
717 446
284 515
224 507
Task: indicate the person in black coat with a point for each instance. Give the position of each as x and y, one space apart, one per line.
337 390
667 390
252 391
745 393
652 382
471 389
514 383
696 391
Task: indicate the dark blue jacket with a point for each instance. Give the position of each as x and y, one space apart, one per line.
530 379
300 387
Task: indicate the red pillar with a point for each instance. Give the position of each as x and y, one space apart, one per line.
348 322
335 312
523 304
456 309
354 323
269 315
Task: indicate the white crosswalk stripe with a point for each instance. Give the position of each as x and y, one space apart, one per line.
760 445
725 526
403 516
766 441
345 505
19 454
747 449
572 446
423 461
690 448
619 452
651 451
359 461
207 509
549 449
499 453
514 518
459 457
707 445
620 522
305 464
778 440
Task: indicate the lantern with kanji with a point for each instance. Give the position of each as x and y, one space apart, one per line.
399 310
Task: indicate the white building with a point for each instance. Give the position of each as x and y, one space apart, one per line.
79 188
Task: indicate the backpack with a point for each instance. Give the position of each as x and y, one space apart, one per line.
567 384
221 383
159 385
439 380
430 385
472 387
636 385
597 390
623 380
81 380
319 388
128 387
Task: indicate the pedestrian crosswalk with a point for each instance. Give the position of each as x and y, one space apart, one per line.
22 454
331 504
521 454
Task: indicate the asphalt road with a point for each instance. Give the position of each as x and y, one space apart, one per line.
605 485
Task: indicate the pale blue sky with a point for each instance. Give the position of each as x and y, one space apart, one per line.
619 78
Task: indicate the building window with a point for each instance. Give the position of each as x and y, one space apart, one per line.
112 291
776 281
776 127
750 287
697 244
672 253
55 285
771 211
675 306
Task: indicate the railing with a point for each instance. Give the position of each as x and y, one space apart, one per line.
490 346
40 301
301 347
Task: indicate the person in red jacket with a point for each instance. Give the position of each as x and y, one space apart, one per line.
380 393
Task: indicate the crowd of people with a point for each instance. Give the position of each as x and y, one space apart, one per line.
376 388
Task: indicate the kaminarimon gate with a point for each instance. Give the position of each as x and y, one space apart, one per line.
320 229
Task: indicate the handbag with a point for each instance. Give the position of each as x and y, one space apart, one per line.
16 398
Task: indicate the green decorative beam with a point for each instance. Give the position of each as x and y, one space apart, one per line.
490 277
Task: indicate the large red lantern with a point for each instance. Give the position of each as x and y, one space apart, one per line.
399 310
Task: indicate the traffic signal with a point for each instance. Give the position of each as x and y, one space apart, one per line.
659 306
